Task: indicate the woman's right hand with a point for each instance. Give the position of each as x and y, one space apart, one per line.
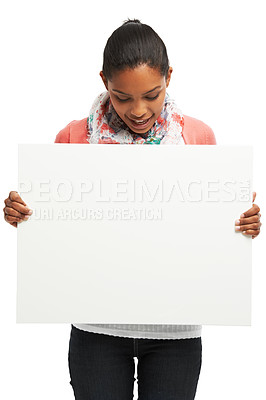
16 210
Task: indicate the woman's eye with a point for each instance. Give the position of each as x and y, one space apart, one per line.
148 98
153 98
122 100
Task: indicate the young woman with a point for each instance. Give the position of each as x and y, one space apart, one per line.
135 109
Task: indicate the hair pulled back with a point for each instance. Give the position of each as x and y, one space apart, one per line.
131 45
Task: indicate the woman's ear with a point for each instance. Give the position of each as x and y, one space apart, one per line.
170 70
104 80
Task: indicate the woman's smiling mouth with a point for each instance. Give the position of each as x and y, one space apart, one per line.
140 124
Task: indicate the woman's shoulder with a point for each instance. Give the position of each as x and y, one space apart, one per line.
74 132
196 131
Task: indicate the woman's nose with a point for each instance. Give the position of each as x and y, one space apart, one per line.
138 110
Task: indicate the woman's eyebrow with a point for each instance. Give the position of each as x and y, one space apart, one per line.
127 94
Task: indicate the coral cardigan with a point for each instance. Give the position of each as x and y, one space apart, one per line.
194 132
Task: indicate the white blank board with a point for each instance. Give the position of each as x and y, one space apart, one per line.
134 234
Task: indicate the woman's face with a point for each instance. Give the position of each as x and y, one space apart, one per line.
138 96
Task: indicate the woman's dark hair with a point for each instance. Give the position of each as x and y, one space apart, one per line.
131 45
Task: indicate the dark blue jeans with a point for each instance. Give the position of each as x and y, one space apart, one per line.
102 367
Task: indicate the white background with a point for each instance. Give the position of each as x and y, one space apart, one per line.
51 57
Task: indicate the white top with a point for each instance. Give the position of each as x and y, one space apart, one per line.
145 331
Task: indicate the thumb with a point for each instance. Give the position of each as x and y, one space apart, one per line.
254 196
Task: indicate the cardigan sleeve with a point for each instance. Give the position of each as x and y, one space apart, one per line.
197 132
64 135
74 132
209 135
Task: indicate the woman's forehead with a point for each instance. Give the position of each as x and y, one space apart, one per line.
142 78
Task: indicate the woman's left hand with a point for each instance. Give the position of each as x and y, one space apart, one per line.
249 222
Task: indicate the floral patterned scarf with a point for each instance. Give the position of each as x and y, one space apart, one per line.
105 126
